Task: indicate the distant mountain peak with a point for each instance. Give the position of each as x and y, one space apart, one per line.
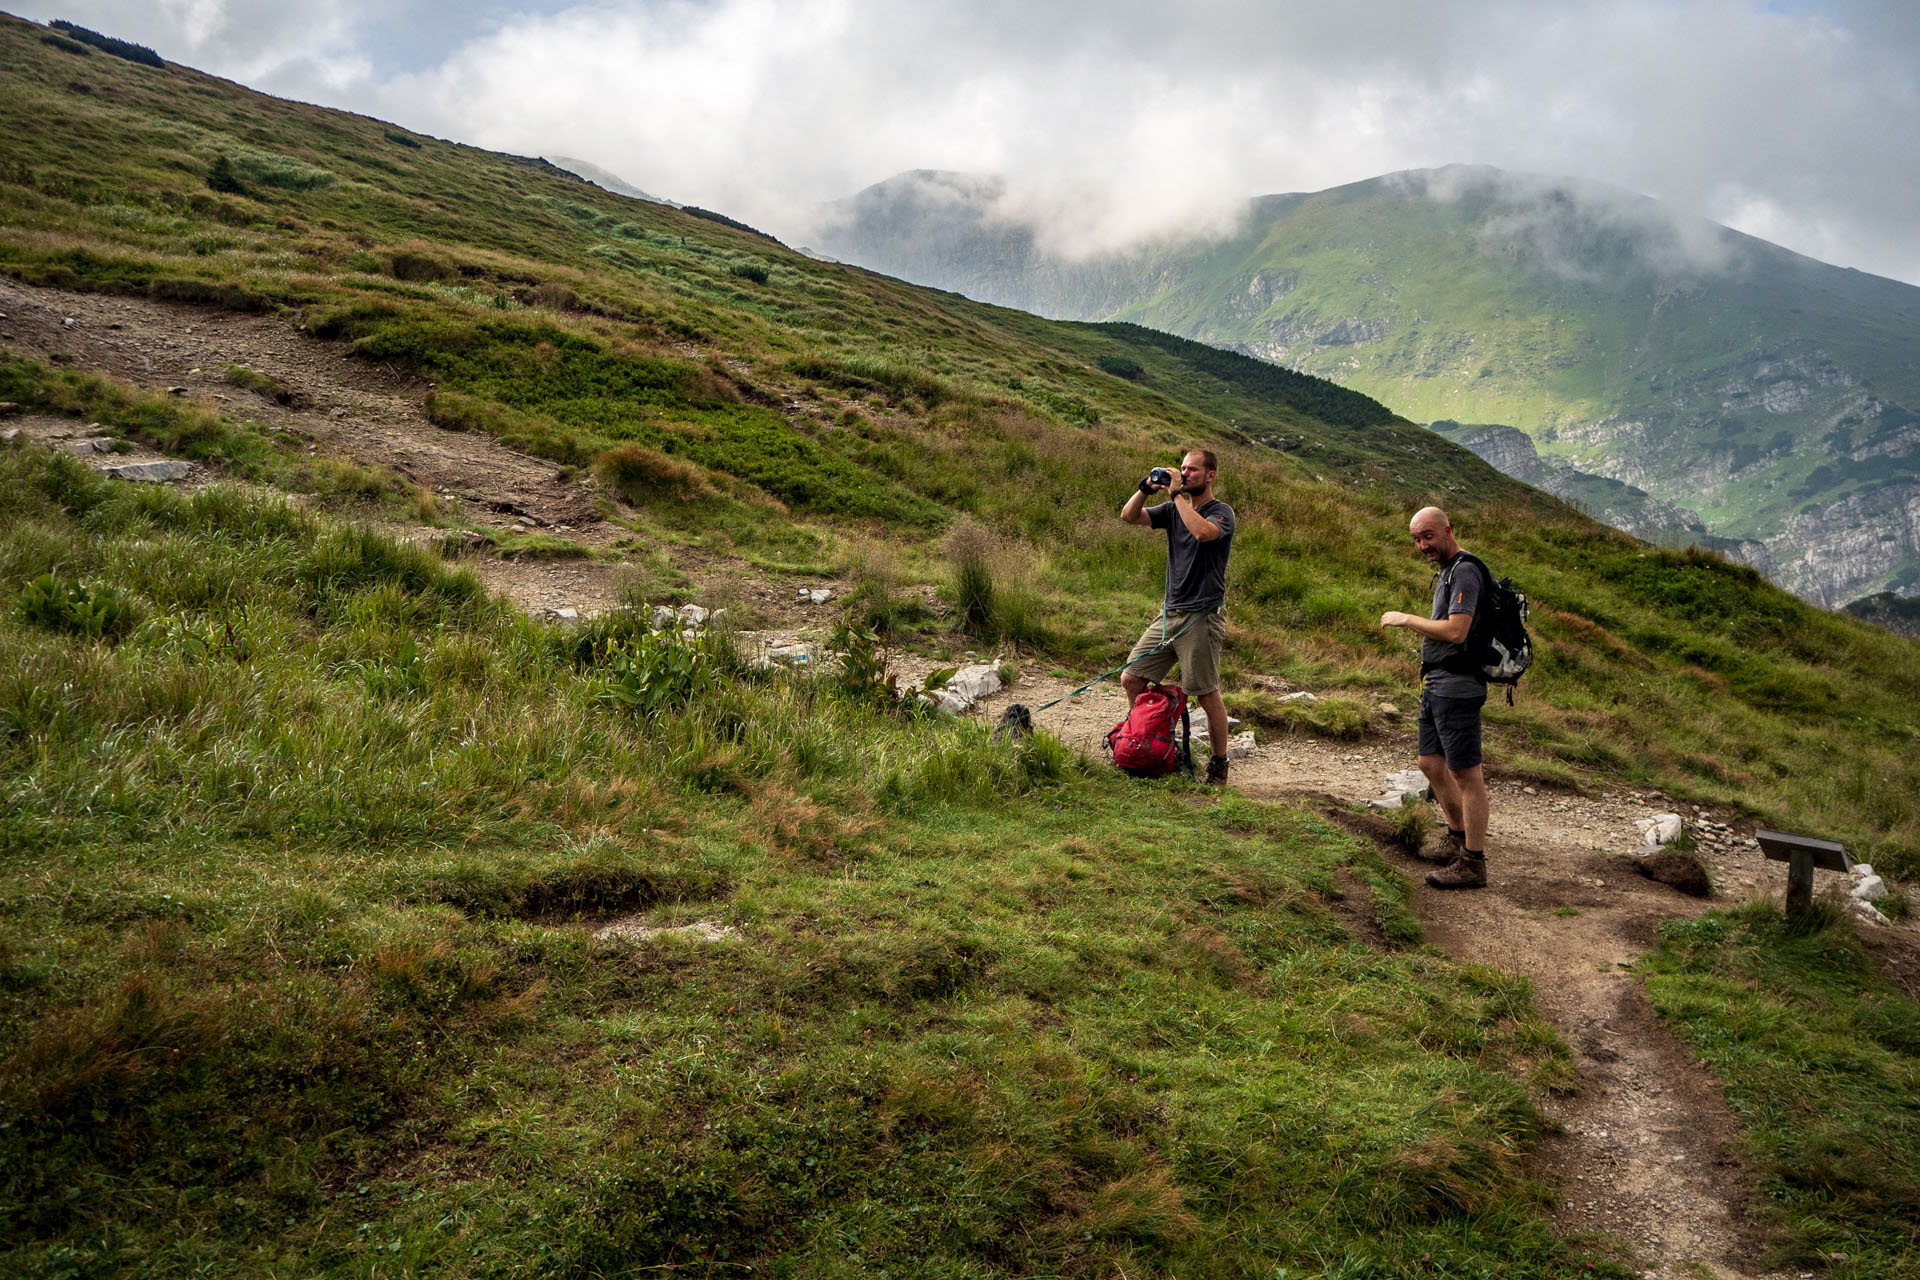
607 181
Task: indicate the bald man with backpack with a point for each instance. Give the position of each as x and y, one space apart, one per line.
1454 689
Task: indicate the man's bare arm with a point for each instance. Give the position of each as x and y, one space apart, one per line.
1453 630
1202 529
1135 509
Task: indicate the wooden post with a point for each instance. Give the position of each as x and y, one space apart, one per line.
1801 854
1800 882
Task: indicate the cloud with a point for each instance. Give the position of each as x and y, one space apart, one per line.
1785 118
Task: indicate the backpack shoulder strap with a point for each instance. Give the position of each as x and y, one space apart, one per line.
1186 738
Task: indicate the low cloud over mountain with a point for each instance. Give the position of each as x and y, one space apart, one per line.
1789 122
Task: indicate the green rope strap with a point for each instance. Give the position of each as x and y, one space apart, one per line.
1165 640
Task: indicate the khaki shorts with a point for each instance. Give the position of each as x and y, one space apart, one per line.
1196 649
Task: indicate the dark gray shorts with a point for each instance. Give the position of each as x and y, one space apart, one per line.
1450 727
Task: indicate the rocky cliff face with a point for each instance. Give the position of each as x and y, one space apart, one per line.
1832 555
1621 505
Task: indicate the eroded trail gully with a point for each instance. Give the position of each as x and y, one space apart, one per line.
1645 1148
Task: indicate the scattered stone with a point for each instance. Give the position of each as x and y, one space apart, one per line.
567 614
8 408
1409 780
1240 745
1869 889
1661 828
660 619
787 653
1528 791
9 435
150 472
693 615
176 391
820 595
970 684
951 702
1868 912
1682 871
1015 723
1301 696
1390 711
717 620
68 322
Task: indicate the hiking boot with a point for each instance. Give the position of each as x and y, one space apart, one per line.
1217 771
1441 847
1462 873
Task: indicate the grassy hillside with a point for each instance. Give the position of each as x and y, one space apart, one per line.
307 843
1758 387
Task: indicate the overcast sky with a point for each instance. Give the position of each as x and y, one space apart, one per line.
1794 120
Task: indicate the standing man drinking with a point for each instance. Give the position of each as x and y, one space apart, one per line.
1450 702
1199 535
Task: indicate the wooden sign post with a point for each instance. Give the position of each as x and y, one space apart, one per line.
1802 854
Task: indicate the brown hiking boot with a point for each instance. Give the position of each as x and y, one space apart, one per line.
1440 846
1217 771
1462 873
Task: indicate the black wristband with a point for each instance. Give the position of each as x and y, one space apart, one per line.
1146 486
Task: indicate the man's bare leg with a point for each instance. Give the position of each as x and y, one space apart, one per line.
1471 786
1216 708
1133 686
1446 791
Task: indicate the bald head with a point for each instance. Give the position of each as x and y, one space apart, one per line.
1433 535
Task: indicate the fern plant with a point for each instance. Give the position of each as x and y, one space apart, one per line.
98 611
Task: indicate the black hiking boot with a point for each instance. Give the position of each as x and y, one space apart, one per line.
1463 872
1442 847
1217 771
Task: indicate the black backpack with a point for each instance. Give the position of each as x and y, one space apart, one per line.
1497 648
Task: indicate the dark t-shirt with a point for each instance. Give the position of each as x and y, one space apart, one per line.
1196 570
1457 589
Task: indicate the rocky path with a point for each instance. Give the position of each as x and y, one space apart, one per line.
1645 1148
1644 1152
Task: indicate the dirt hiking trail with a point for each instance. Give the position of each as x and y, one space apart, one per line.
1645 1150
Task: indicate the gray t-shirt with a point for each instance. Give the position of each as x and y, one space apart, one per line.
1196 570
1457 589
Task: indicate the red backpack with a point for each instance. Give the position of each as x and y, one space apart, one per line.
1143 743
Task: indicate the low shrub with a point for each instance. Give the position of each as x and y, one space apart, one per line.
638 474
107 44
969 550
96 611
659 671
554 296
259 383
209 293
419 268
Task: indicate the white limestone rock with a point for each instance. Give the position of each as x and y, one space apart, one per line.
150 472
1661 828
1869 889
975 682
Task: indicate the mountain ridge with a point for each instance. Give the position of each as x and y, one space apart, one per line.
1769 392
